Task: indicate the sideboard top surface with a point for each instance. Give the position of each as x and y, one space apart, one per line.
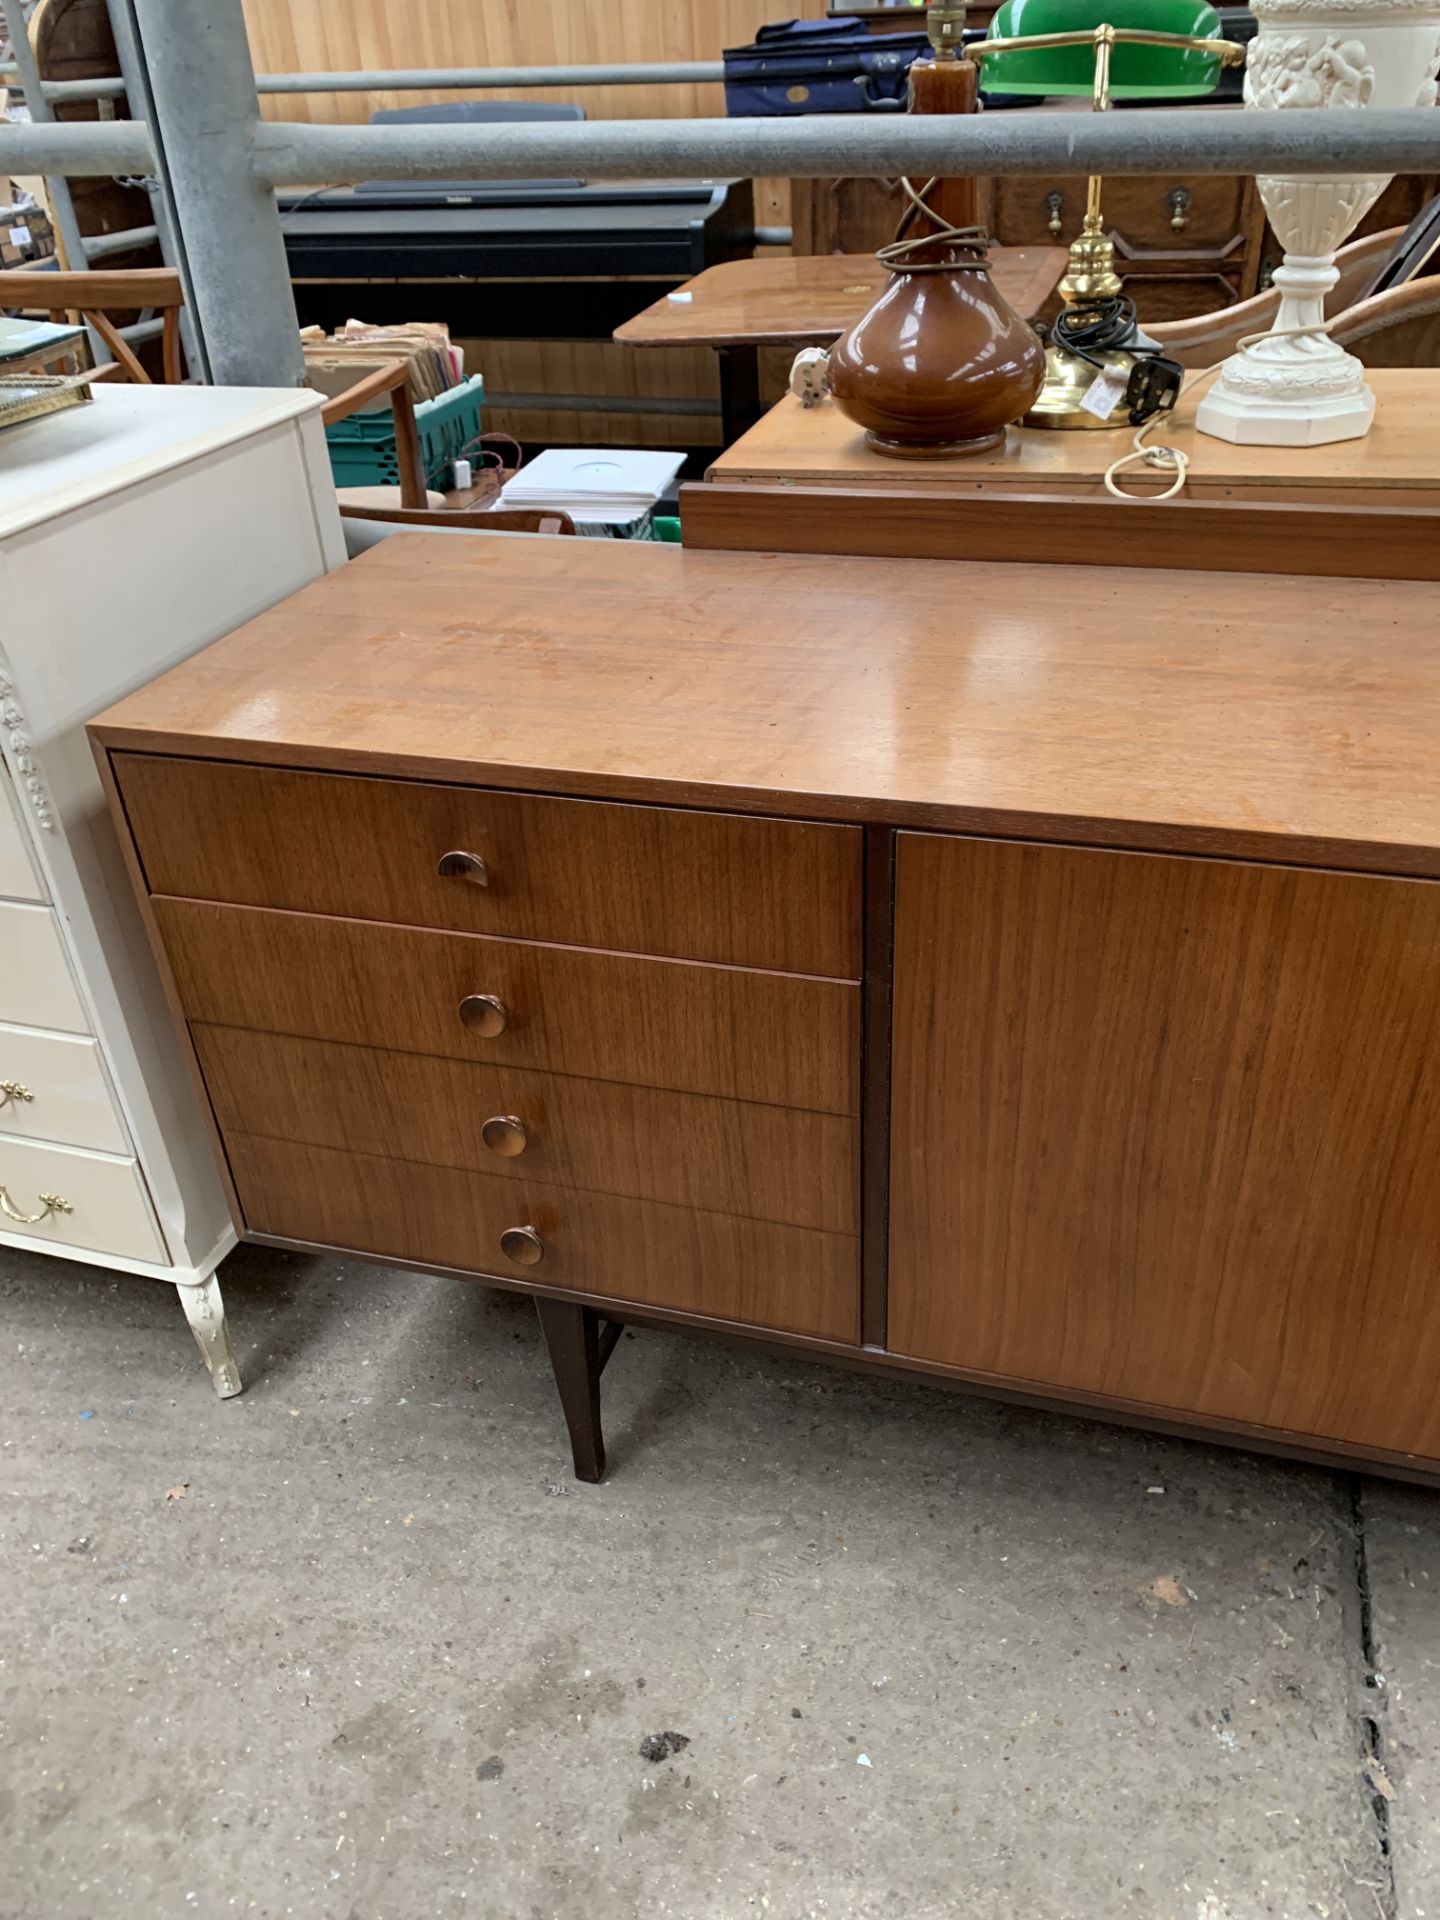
1260 716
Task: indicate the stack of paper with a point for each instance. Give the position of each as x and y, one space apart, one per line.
593 484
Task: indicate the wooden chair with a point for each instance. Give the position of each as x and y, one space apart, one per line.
95 296
468 519
1209 337
392 379
1397 328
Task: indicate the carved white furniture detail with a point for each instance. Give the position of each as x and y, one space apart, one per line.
132 532
1295 386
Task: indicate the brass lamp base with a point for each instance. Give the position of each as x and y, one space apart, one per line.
1068 379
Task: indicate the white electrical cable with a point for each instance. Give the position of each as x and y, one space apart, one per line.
1171 459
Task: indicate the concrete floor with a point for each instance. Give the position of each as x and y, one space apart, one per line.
384 1659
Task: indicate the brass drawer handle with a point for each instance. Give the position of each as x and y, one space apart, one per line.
464 866
485 1014
523 1245
12 1090
1178 201
1055 208
49 1203
505 1134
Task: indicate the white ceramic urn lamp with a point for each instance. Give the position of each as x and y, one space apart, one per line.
1296 387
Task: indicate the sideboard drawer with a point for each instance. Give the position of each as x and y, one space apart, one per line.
53 1086
37 988
108 1208
792 1041
18 878
658 880
785 1278
685 1149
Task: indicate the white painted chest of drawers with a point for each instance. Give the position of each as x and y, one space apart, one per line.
132 533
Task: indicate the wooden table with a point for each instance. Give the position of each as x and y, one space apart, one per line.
1022 976
805 481
800 300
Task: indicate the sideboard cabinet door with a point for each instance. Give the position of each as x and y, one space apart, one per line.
1166 1132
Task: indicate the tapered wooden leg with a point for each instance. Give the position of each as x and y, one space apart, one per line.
573 1337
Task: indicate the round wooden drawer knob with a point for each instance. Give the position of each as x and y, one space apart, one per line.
505 1134
464 866
485 1014
523 1245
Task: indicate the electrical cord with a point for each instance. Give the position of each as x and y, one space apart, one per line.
1171 459
901 252
1104 326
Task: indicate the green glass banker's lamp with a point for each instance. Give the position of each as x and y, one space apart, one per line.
1104 50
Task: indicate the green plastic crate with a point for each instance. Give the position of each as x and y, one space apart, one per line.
362 448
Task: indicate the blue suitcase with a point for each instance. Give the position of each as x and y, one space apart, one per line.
820 66
830 66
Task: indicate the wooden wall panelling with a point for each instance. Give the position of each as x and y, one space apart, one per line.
1149 1139
306 36
597 367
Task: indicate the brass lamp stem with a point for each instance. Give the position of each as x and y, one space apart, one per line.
1094 267
945 24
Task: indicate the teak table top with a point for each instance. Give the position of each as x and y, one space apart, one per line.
809 298
1398 460
1262 716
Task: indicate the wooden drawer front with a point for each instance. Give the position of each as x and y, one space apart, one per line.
697 886
36 985
63 1092
18 877
748 1271
791 1041
1137 210
730 1156
1167 1131
109 1207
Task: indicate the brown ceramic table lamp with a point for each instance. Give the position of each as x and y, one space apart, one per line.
941 364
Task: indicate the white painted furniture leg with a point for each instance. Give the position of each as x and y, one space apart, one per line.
205 1311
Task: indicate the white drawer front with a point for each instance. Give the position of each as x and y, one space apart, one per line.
36 987
109 1208
53 1086
18 877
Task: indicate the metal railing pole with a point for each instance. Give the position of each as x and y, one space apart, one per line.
1162 139
666 73
203 129
438 79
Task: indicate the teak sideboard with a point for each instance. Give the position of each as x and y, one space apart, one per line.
1026 977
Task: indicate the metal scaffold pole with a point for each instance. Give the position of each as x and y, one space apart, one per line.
205 109
136 83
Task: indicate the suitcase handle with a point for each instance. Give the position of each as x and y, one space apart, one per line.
874 104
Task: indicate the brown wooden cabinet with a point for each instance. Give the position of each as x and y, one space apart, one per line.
992 973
